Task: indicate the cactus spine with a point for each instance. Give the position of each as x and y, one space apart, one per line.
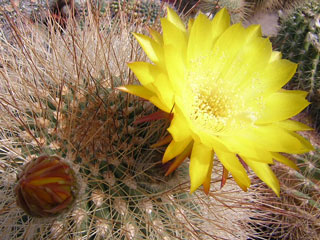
299 41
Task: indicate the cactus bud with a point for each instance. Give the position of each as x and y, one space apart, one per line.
46 187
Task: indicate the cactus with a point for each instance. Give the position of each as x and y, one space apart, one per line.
58 97
295 215
299 41
143 10
236 8
184 6
271 5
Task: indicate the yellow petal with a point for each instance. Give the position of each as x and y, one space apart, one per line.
282 105
200 161
136 90
276 75
143 92
175 148
293 125
176 67
276 139
209 140
284 160
164 89
156 36
275 56
179 128
305 144
173 18
180 158
145 72
231 63
173 35
151 47
155 80
243 146
207 181
265 173
220 23
175 44
258 48
232 164
200 33
158 102
190 24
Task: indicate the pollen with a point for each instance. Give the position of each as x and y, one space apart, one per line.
216 105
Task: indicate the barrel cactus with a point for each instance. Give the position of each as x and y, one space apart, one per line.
295 215
273 4
299 41
236 8
59 99
142 10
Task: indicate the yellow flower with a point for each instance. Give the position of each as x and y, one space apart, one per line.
223 85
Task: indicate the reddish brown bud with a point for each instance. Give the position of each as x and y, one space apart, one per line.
46 187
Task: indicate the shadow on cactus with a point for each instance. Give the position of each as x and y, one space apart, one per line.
58 97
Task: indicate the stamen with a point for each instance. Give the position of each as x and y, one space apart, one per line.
216 105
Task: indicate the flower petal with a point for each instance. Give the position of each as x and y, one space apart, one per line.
277 139
207 181
145 72
282 105
230 64
156 36
275 56
151 47
276 75
200 161
201 32
175 148
174 18
179 128
172 35
265 173
175 45
176 67
180 158
136 90
158 102
293 125
155 80
284 160
220 23
243 146
232 164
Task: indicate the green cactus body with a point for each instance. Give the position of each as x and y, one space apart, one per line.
236 8
143 10
295 215
271 5
299 41
310 176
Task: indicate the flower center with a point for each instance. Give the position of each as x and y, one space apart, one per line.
214 104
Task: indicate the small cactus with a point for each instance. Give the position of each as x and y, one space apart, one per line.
236 8
299 41
271 5
142 10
